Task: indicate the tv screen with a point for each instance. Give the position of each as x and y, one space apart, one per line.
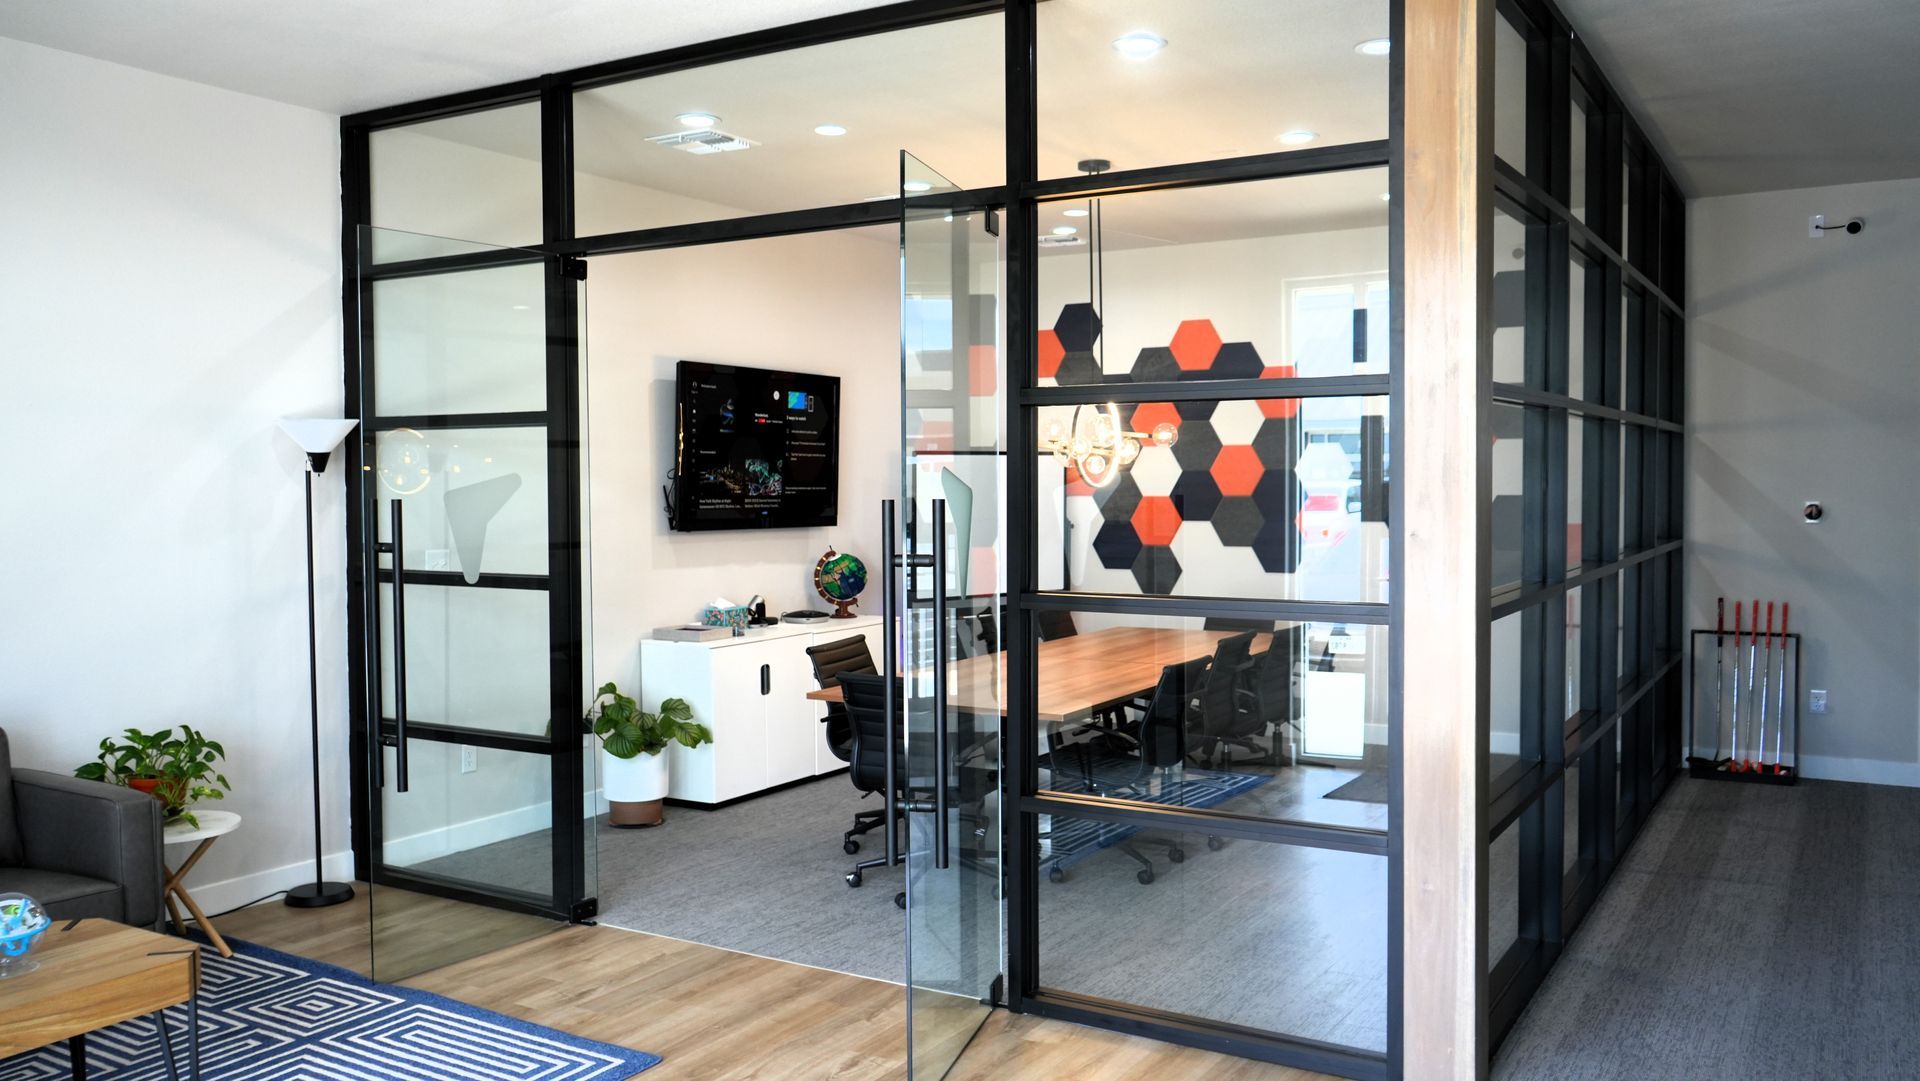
756 449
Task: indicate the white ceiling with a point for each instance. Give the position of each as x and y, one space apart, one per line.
346 56
1765 95
1739 95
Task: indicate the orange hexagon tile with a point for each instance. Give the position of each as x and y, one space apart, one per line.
1237 470
1148 414
1051 353
1156 519
1279 407
1195 344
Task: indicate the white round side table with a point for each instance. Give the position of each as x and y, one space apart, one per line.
213 826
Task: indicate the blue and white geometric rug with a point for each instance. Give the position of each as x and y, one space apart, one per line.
270 1016
1071 840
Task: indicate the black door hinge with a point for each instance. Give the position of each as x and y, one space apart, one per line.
993 223
575 269
585 910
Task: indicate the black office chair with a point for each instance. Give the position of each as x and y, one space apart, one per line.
1056 624
866 699
1158 741
1227 715
831 660
1228 623
1275 697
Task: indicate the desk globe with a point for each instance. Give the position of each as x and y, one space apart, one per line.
840 579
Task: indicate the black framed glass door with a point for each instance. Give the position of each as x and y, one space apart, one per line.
471 506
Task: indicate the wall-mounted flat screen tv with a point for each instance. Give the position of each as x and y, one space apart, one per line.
755 449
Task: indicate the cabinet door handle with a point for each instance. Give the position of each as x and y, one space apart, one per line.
766 679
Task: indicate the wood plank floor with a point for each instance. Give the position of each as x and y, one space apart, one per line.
716 1015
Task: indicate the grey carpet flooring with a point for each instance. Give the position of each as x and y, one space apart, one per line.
1278 937
1758 934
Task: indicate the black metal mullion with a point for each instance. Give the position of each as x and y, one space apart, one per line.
1167 606
355 292
1284 163
458 421
1021 842
566 635
1191 390
1223 824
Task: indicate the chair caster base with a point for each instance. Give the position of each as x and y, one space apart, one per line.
1144 877
853 879
900 901
850 846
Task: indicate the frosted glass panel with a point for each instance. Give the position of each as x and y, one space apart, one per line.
474 500
473 342
475 176
476 658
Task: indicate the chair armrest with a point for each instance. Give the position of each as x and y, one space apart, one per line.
94 829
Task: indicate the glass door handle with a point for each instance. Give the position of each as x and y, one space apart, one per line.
399 652
890 666
941 843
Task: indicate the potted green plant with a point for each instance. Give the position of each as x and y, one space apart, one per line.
633 743
179 771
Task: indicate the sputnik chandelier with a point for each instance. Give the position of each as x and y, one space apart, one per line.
1095 442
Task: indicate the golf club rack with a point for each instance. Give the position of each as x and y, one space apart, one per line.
1741 670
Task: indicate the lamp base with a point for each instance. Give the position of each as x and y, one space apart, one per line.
319 894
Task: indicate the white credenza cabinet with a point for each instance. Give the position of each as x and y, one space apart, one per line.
751 691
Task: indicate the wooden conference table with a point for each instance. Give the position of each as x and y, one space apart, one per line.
1077 675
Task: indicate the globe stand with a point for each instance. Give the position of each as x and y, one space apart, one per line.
839 579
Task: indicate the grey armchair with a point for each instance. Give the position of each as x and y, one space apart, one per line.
80 848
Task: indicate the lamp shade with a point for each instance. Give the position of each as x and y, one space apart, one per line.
317 436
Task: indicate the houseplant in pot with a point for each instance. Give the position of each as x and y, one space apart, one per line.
179 771
634 744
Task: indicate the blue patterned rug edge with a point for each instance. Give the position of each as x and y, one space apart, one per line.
639 1060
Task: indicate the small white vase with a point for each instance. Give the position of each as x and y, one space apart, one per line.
636 788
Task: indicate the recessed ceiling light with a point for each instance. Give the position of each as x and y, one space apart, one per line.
1374 47
1075 212
697 120
1064 230
1139 45
917 185
1298 137
830 129
1386 197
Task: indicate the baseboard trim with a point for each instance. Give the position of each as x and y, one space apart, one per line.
1860 770
244 889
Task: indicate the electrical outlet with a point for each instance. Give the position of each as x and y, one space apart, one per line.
1816 226
470 757
439 559
1816 701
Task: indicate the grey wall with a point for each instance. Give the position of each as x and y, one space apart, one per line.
1805 385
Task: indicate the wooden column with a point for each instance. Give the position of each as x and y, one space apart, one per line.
1446 195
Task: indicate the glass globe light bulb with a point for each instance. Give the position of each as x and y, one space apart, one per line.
1165 434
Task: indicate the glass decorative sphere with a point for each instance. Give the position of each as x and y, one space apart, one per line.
21 922
1165 434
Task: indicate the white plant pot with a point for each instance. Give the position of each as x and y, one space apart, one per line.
636 788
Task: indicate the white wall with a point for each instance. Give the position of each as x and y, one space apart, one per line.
170 266
1805 385
823 302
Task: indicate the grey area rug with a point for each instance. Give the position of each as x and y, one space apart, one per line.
1369 787
1751 934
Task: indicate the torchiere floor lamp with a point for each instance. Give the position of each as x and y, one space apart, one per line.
318 437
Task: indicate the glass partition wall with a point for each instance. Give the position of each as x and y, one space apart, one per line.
1586 411
1197 770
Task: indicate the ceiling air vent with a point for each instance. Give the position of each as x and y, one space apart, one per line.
705 141
1060 241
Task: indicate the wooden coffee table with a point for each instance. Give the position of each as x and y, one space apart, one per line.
95 973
